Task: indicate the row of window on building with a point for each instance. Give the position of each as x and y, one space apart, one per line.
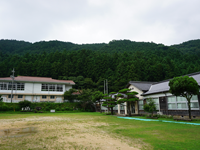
45 97
18 96
52 87
8 86
21 96
20 87
175 103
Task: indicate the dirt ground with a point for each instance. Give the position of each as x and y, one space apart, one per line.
60 133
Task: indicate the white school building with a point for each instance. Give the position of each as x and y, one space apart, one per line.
34 89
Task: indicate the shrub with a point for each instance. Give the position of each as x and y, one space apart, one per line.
24 104
67 108
150 106
57 109
63 109
47 108
4 107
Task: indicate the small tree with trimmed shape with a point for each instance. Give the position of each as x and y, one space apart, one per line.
186 87
97 96
150 106
110 102
130 98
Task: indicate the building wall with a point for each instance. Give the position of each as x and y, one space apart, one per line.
32 92
164 101
133 88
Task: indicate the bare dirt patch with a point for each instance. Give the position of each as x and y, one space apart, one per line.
60 133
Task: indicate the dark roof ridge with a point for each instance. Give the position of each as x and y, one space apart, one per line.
142 82
195 73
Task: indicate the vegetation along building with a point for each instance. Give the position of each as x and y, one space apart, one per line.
140 87
168 104
34 89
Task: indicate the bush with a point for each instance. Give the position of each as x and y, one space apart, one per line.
47 108
57 109
5 108
62 109
67 108
150 106
24 104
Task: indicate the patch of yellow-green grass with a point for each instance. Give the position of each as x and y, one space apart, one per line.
62 131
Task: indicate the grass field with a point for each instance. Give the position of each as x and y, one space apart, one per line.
92 131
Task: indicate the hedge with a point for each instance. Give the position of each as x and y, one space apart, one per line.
46 106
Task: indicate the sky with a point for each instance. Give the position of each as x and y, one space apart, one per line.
99 21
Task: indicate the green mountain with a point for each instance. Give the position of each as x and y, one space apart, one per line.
88 65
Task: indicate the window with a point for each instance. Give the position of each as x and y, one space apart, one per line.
9 96
20 86
52 87
121 107
52 97
8 86
140 102
194 102
59 88
156 100
181 102
44 97
45 87
20 96
3 86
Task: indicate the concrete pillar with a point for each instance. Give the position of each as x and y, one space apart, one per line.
125 108
136 107
118 108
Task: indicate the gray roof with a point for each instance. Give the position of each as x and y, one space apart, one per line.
141 85
164 87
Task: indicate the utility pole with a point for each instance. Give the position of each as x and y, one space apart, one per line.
107 85
104 87
13 77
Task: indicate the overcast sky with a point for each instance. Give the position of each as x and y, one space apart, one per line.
96 21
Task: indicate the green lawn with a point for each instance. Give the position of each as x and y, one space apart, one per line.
156 135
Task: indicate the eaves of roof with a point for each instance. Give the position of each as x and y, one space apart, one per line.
30 79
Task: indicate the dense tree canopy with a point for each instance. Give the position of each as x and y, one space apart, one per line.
90 64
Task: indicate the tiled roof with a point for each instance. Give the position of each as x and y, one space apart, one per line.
76 93
164 87
141 85
37 79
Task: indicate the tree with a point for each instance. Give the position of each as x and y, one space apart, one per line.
129 98
68 95
150 106
186 87
110 101
1 99
97 96
85 97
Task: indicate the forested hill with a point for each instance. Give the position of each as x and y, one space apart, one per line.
22 47
192 46
89 64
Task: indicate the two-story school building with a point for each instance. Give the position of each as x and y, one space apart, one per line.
34 89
